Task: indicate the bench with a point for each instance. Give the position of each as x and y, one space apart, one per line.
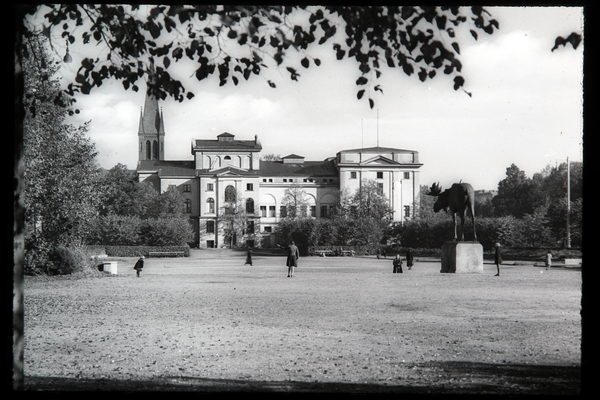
348 253
166 254
324 253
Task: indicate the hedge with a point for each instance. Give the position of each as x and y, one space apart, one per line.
136 251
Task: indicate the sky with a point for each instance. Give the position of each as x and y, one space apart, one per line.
526 107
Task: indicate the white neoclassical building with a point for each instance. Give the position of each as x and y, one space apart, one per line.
225 166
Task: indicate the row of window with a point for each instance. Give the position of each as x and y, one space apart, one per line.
210 187
353 175
305 180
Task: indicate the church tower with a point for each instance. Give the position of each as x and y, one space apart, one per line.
151 131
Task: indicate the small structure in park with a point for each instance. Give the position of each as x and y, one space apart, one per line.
458 255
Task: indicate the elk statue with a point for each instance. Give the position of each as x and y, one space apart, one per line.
460 198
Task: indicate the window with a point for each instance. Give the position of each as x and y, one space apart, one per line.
250 206
272 211
305 180
249 186
264 179
270 180
230 194
187 188
210 244
188 206
155 150
407 211
209 187
267 229
282 212
210 205
380 175
263 211
352 174
313 211
331 181
285 180
380 187
407 175
324 212
250 227
210 227
291 180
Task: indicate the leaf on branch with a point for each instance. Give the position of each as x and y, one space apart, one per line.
235 80
456 47
371 103
474 34
362 81
305 63
422 75
379 88
271 84
317 61
458 82
190 95
360 94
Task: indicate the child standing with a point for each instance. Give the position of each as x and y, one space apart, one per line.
397 264
138 266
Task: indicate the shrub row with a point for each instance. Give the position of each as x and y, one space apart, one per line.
136 251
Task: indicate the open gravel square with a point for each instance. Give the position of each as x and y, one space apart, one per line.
208 323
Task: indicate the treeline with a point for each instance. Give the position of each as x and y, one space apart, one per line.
526 212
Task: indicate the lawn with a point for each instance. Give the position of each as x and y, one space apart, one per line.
342 324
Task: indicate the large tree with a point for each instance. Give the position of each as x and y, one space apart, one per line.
61 177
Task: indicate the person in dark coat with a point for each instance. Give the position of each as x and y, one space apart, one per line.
292 258
498 258
249 258
138 266
397 264
378 252
409 259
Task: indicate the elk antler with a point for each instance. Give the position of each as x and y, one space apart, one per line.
435 190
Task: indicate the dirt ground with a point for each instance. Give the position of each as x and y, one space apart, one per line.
347 324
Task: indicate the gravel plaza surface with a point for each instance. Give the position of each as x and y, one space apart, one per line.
208 323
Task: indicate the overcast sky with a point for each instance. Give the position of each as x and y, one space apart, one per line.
526 107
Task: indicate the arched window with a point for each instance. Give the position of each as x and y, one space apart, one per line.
250 206
230 194
210 205
188 206
227 160
148 150
155 150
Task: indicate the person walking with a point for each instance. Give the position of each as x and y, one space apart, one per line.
378 252
138 266
409 259
548 259
249 257
498 258
397 264
292 257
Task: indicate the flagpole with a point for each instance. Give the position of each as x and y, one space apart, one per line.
568 204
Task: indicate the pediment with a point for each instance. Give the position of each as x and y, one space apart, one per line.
230 171
379 160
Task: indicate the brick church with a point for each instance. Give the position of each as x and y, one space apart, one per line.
226 169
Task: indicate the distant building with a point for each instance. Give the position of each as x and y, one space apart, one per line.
225 168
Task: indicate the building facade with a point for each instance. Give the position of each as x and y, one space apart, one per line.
226 180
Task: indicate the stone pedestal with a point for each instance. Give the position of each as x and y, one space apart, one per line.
462 257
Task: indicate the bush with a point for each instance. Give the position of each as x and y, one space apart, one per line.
58 260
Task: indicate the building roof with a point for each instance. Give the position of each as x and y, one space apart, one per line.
377 150
167 168
228 145
307 168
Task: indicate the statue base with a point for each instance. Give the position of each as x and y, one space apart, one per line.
462 257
